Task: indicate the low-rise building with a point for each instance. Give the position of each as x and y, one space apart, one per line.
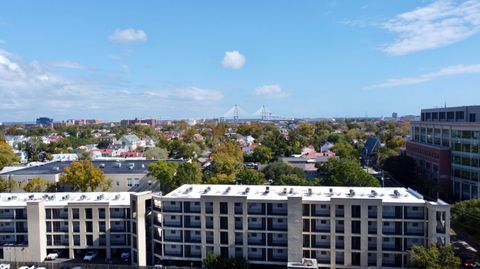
33 225
339 227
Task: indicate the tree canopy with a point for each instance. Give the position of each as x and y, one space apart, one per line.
84 176
262 154
250 177
156 154
36 184
346 172
434 257
164 172
7 185
276 170
7 157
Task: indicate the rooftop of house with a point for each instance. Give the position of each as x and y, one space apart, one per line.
65 198
107 166
278 193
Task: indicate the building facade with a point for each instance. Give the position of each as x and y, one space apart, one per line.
32 225
445 144
340 227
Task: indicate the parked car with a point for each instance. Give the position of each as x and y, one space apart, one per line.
27 267
125 255
4 266
53 255
90 256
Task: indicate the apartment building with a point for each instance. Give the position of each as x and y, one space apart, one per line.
126 175
339 227
445 144
32 225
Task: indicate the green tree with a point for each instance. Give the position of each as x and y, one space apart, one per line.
466 217
164 172
228 159
434 257
276 170
84 176
7 185
156 154
347 172
250 177
188 173
292 180
262 154
345 150
36 184
7 157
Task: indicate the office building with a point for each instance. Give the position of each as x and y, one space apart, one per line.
44 121
33 225
445 144
339 227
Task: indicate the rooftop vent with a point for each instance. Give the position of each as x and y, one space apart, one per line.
291 190
284 190
207 189
351 193
189 189
66 197
83 197
228 190
331 190
267 189
117 197
309 191
12 198
100 197
31 196
374 193
396 193
247 190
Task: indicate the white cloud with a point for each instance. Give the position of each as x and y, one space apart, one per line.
31 89
446 71
270 91
68 65
128 35
233 59
436 25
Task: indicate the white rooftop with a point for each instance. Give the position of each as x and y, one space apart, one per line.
323 193
64 198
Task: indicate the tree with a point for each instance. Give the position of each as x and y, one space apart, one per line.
250 177
345 150
292 180
213 261
156 154
347 172
164 172
228 159
84 176
187 173
7 156
7 185
262 154
36 184
466 216
276 170
434 257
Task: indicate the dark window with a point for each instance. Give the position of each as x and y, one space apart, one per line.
224 238
224 252
356 258
356 211
224 223
441 115
460 115
88 213
355 242
89 240
450 115
355 226
76 213
472 117
223 208
89 226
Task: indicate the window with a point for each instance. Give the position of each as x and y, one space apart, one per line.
129 182
224 223
88 213
223 208
280 220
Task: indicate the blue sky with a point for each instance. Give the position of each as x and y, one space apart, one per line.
193 59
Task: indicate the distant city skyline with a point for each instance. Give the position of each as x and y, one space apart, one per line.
113 60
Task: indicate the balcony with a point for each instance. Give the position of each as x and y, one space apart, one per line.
414 228
191 207
279 209
319 210
209 222
172 207
172 222
238 223
192 222
339 211
256 239
256 223
321 226
414 212
173 250
277 224
238 208
392 212
372 212
192 237
278 240
7 229
256 209
392 228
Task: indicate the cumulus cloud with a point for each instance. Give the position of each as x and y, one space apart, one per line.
128 35
443 72
233 60
28 89
68 65
436 25
270 91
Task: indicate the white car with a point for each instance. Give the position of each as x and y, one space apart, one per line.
27 267
53 256
4 266
125 255
90 256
